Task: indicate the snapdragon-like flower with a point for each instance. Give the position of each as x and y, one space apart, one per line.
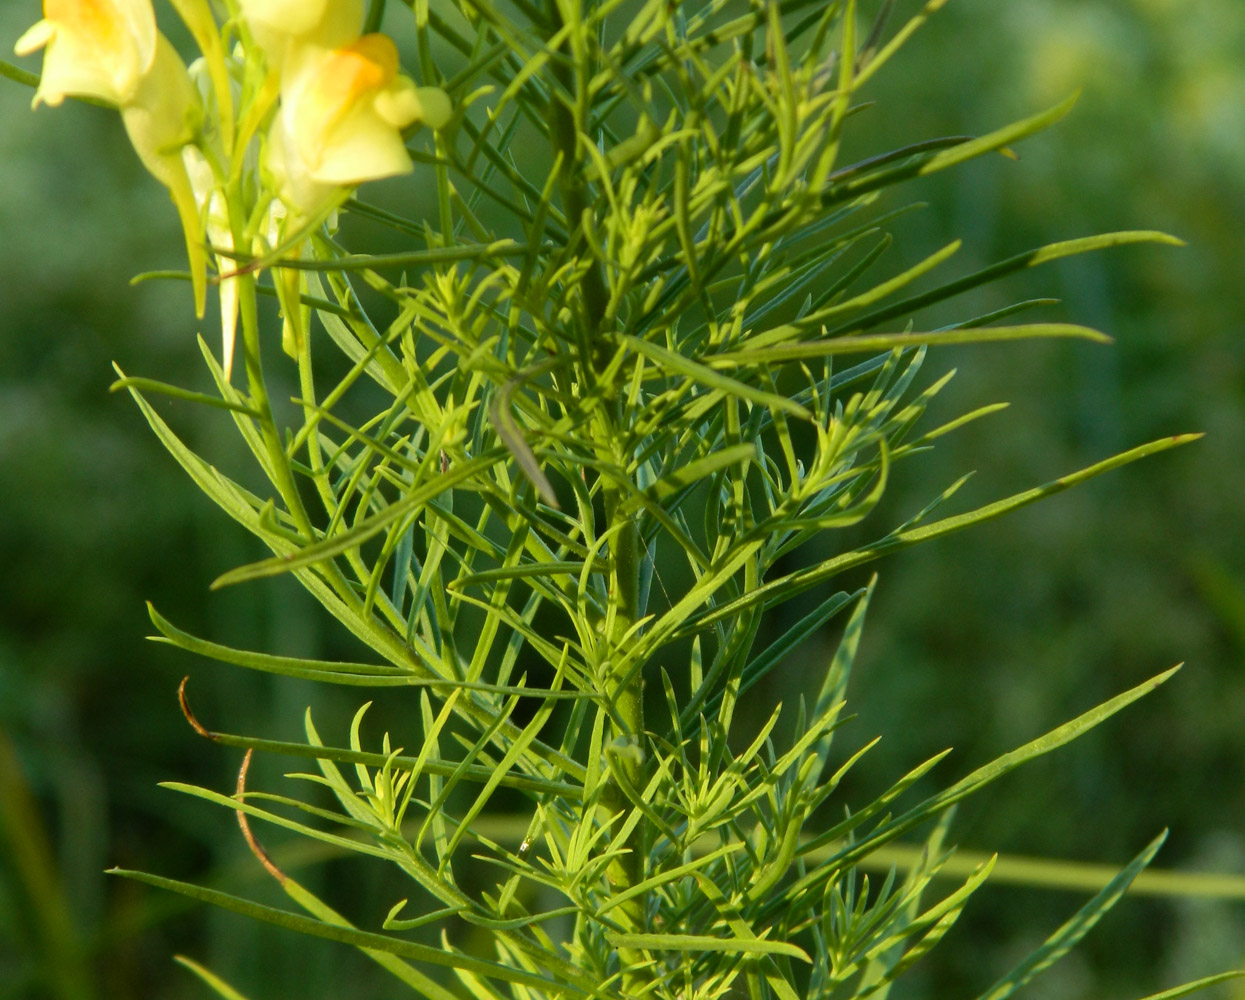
341 119
111 50
94 48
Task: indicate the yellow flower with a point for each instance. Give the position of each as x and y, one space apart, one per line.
95 48
110 49
282 26
341 119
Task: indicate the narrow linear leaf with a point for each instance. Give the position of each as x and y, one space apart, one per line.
834 685
669 875
999 767
344 755
786 587
867 343
932 926
1019 262
695 471
700 942
1059 943
670 361
922 166
999 138
221 987
267 662
1198 984
335 545
177 392
513 439
369 262
365 940
488 576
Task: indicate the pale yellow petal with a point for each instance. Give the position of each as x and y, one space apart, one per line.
37 36
162 118
291 17
94 48
282 27
164 114
362 147
399 104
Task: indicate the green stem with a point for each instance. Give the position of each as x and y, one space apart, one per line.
282 474
622 689
567 112
624 692
375 14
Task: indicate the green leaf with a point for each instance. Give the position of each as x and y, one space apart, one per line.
1021 261
333 670
994 770
999 138
702 943
366 941
344 755
923 165
834 686
221 987
932 926
176 392
786 587
512 437
1059 874
1059 943
775 653
520 572
878 292
677 363
774 978
694 472
867 343
369 262
309 555
667 875
1198 984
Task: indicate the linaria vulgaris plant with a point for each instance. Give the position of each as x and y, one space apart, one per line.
547 463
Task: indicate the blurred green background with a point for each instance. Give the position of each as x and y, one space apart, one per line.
980 641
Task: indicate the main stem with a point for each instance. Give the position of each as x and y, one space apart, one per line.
623 691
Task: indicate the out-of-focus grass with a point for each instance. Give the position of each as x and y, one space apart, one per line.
980 641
